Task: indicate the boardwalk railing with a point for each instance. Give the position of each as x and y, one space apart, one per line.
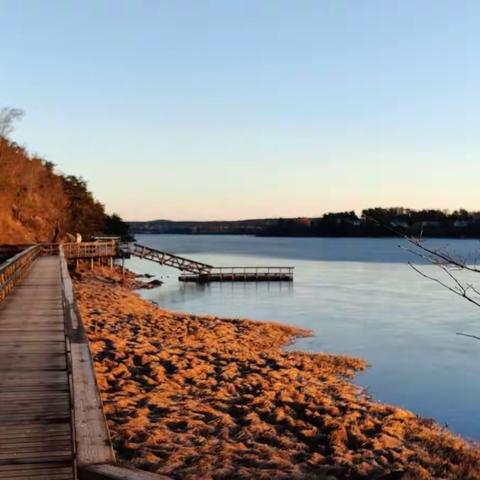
50 249
14 269
72 250
91 433
94 456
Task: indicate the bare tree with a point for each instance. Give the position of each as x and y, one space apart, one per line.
455 273
8 115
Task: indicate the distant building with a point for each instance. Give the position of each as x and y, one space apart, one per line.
399 223
461 223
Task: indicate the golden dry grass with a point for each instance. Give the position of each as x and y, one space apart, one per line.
200 397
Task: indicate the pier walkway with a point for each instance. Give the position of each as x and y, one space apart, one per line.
35 409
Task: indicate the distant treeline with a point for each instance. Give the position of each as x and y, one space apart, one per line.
39 204
373 222
235 227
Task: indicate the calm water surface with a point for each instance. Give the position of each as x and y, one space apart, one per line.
360 298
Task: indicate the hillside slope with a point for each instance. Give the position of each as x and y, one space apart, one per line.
37 204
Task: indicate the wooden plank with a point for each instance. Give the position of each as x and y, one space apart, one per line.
60 409
58 466
28 377
37 471
26 431
43 395
39 476
34 362
40 327
32 348
25 439
26 402
39 337
30 457
35 447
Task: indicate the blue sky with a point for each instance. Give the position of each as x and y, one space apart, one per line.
241 109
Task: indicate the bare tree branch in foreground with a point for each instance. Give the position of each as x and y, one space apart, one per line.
448 263
467 335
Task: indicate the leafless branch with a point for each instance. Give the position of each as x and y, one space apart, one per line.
467 335
7 116
447 263
459 290
446 257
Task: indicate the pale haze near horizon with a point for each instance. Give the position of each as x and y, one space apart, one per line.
243 109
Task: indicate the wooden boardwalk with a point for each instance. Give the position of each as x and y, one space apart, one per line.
52 425
35 407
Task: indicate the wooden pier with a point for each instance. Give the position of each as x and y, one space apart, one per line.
194 271
52 425
241 274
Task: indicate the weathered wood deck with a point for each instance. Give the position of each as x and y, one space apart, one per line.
35 407
52 425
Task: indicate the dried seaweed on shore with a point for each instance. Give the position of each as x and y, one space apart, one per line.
202 397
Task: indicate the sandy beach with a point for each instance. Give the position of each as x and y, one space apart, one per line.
201 397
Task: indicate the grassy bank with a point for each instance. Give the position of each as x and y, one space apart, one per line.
203 397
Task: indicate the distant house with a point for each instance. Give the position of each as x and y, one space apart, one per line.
399 223
461 223
356 222
343 218
428 224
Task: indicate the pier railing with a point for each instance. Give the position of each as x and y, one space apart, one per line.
165 258
108 248
239 270
228 274
50 249
14 269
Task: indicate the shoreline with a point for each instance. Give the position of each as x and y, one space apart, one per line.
193 396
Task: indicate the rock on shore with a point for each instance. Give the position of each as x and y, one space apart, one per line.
200 397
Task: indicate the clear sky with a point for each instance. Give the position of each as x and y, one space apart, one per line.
241 109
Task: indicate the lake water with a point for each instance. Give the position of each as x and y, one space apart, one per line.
360 298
